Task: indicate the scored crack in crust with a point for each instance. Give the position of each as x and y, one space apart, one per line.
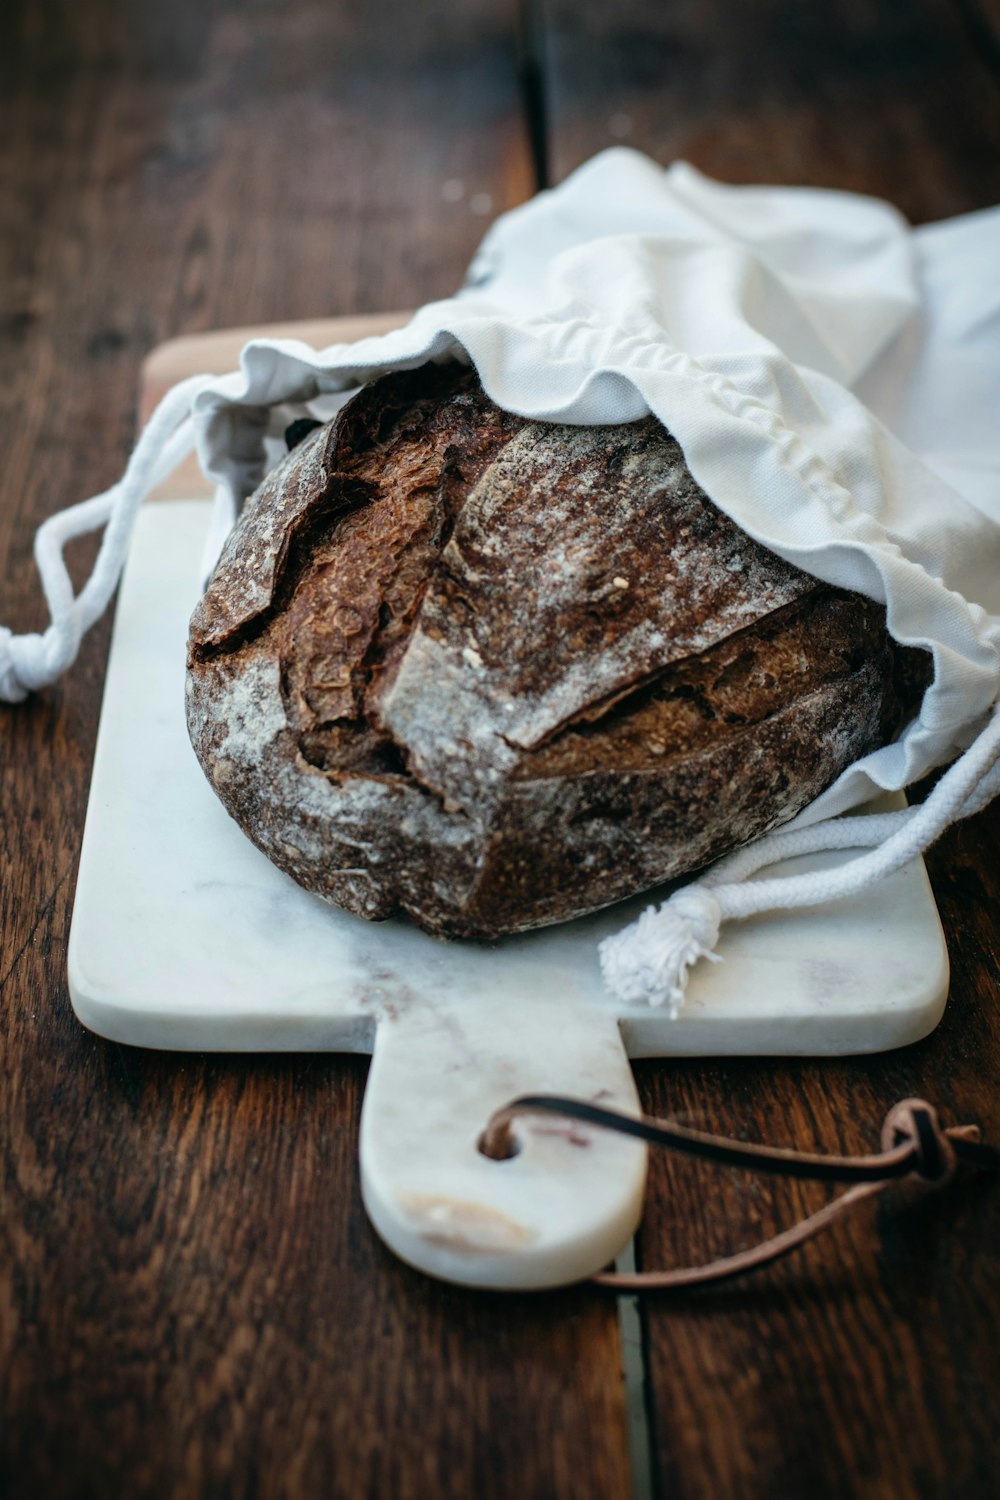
493 673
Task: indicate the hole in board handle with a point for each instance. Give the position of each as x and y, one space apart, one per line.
498 1142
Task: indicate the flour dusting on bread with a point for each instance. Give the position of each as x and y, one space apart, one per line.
491 673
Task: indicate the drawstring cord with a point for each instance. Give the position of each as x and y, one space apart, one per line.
32 661
914 1145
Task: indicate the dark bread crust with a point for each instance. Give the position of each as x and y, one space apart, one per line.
495 673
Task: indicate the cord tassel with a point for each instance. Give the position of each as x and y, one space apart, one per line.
650 959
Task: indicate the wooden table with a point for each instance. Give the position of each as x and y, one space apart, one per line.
191 1300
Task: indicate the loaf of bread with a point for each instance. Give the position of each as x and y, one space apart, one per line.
491 673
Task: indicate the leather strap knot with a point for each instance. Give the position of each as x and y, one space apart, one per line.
915 1122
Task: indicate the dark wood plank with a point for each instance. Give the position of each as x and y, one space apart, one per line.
191 1300
204 1310
899 100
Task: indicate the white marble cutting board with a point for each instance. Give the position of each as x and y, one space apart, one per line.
184 936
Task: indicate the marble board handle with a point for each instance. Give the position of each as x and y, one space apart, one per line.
563 1206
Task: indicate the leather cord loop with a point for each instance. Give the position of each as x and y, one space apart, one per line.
915 1122
914 1144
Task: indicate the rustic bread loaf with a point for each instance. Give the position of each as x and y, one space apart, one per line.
494 673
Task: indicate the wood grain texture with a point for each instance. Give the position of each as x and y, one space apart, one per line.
204 1310
192 1302
897 98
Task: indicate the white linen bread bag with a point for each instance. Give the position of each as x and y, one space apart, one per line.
833 379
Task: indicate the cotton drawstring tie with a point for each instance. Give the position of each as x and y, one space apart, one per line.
33 661
649 960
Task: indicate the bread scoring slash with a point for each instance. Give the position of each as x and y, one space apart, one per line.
492 674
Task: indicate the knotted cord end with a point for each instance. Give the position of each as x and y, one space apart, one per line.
23 667
12 690
649 960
